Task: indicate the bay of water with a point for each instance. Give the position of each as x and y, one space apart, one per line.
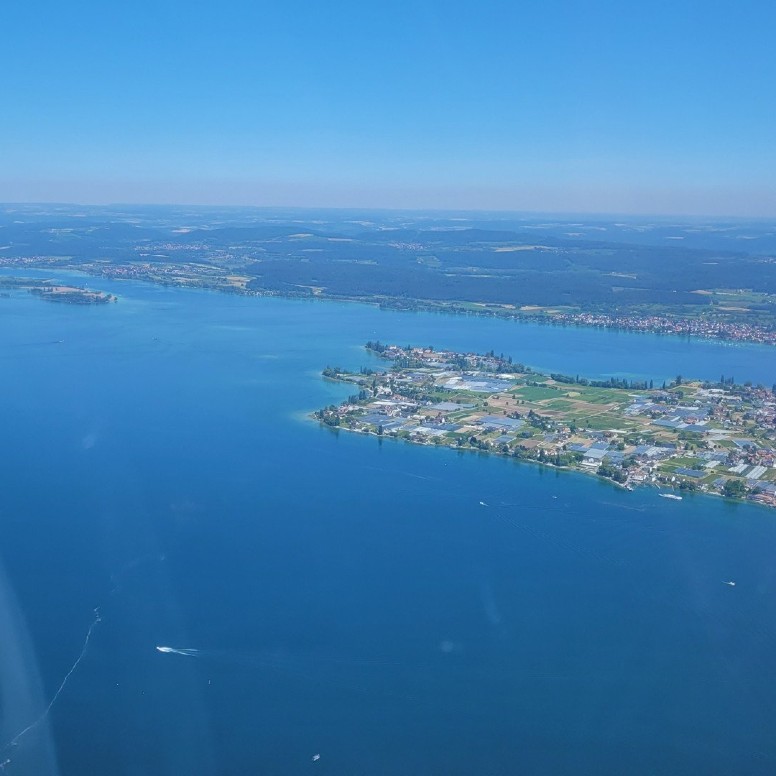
342 597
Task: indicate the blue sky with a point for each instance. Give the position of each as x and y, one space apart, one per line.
591 106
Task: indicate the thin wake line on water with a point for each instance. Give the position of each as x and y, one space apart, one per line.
312 671
33 725
84 648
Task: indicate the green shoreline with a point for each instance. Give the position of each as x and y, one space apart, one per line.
59 293
651 319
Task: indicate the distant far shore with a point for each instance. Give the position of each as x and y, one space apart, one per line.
654 320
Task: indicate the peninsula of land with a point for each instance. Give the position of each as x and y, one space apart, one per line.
685 436
51 291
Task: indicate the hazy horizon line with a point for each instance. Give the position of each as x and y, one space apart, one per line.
390 209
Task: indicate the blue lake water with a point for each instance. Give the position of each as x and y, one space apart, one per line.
339 596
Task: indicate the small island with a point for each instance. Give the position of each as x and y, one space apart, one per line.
685 435
50 291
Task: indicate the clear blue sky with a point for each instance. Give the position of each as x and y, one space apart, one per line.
657 107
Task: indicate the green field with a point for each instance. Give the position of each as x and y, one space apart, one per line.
687 462
562 405
601 395
536 393
603 422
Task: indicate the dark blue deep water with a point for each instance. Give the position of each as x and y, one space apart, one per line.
338 596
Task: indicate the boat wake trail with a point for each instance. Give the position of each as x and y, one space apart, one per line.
174 651
363 675
18 737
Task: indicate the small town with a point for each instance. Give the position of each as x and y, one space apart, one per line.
681 436
660 324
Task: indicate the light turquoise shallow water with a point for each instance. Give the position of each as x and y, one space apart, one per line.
344 597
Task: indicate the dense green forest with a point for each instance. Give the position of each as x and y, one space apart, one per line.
592 265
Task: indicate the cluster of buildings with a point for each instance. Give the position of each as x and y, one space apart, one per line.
184 274
690 437
696 327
